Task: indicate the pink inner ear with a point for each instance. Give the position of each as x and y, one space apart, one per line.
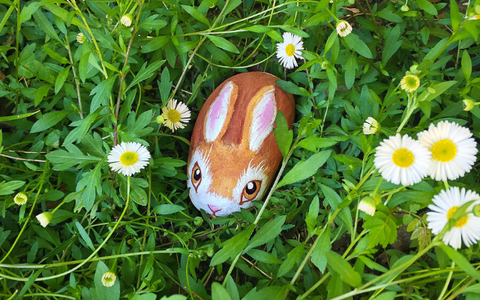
267 115
215 112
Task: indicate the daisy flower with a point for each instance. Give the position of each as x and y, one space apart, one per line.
402 160
128 158
371 126
443 207
175 116
475 17
344 28
108 279
368 205
44 218
289 50
410 83
453 150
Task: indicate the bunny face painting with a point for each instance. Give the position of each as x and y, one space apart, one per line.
234 154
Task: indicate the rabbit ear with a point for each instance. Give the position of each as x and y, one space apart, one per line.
261 114
220 112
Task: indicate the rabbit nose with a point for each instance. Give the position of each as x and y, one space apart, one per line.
214 208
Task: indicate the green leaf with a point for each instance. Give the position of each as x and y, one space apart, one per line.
335 201
101 291
40 93
263 256
150 296
7 188
223 43
84 235
292 88
155 44
293 257
92 184
165 86
427 7
232 288
44 24
435 51
386 296
350 71
382 227
439 88
305 169
283 136
196 14
314 142
29 283
55 55
219 292
319 254
233 246
63 160
462 262
167 209
466 65
145 72
270 292
83 126
102 92
344 269
48 120
17 117
311 218
83 66
454 14
62 76
392 44
356 44
267 233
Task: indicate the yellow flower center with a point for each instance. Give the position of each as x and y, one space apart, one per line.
444 150
129 158
290 50
403 158
174 116
461 222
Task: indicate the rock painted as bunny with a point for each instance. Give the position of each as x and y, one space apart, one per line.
234 155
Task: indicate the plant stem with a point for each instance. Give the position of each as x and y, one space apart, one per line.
447 282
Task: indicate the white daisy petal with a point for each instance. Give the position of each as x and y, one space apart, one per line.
402 160
289 50
444 205
128 158
453 150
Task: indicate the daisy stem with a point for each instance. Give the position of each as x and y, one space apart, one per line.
447 186
412 105
447 282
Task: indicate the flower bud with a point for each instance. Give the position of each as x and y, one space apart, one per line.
371 126
344 28
81 38
404 8
367 205
159 119
126 20
20 198
108 279
468 104
44 218
476 210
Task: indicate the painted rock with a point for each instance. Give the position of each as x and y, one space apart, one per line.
234 155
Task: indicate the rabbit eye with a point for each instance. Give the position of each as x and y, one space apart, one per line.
196 176
250 191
